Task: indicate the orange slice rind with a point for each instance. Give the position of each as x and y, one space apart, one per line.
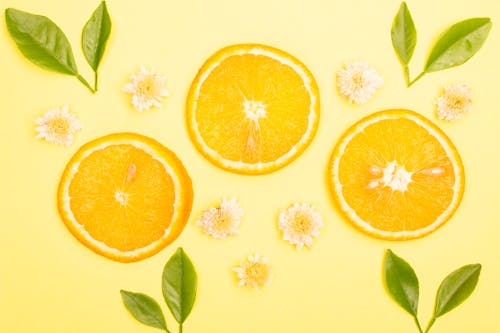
395 175
252 109
125 196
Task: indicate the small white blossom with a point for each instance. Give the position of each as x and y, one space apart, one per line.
454 102
147 89
299 224
357 82
222 221
58 126
254 272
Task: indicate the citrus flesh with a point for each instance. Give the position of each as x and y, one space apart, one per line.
396 175
125 196
252 108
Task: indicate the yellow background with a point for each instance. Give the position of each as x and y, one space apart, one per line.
49 282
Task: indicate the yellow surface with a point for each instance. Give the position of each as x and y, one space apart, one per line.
49 282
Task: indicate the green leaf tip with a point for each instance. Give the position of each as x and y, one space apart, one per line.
179 285
95 35
144 309
458 44
456 288
404 34
454 47
41 41
401 282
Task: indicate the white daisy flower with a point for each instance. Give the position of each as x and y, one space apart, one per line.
454 102
299 224
147 89
357 82
222 221
254 272
58 126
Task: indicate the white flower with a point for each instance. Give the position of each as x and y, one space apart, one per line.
147 89
222 221
254 272
454 102
58 126
299 224
357 82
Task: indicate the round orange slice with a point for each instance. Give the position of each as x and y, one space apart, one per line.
252 109
396 175
125 196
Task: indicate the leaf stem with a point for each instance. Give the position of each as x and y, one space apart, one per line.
85 83
415 79
95 80
430 324
406 73
418 324
180 328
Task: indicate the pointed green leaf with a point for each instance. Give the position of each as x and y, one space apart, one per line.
95 35
458 44
401 282
144 309
403 34
179 285
41 41
456 288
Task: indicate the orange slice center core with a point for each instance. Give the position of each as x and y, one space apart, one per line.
121 196
254 110
396 176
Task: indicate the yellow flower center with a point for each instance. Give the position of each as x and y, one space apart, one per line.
148 87
302 223
224 220
59 126
358 80
258 273
457 102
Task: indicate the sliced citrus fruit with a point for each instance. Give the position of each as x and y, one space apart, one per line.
396 175
252 109
125 196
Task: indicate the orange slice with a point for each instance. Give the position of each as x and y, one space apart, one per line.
396 175
252 109
125 196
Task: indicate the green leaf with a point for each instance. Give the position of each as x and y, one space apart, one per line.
41 41
403 34
144 309
95 35
458 44
456 288
179 285
401 282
